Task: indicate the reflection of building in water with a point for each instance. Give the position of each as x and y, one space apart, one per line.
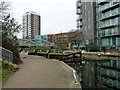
89 75
100 75
109 75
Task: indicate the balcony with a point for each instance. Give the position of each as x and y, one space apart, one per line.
109 26
79 11
101 2
79 4
110 7
79 18
110 35
110 17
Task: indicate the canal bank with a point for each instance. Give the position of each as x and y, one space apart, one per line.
39 72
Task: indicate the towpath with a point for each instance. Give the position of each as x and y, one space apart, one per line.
39 72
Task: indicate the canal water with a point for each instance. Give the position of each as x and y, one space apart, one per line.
94 74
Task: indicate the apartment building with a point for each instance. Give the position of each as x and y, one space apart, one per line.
86 21
41 39
31 25
61 40
108 24
51 38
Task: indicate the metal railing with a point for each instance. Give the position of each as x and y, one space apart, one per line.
35 42
6 55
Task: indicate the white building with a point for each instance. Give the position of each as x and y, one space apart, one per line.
31 25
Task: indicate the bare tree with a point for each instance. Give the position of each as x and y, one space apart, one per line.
4 8
76 36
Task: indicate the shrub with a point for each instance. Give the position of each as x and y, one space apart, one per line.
6 74
5 65
94 49
11 67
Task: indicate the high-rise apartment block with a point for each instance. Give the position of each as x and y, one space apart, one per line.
100 22
31 25
86 20
108 24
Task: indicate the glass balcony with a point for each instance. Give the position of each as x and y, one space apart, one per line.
100 1
80 23
79 18
110 14
79 4
108 6
79 11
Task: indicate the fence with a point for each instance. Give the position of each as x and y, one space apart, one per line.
6 55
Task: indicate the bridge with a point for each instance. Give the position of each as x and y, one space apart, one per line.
34 43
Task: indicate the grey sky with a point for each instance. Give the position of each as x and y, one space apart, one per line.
56 15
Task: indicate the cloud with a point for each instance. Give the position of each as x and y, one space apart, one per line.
56 15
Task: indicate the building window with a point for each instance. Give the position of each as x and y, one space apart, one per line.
89 20
85 6
85 27
91 3
113 41
89 27
85 13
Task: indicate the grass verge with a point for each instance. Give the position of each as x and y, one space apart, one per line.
5 74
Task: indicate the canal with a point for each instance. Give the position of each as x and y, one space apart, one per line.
102 74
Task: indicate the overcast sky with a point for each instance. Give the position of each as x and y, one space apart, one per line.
56 15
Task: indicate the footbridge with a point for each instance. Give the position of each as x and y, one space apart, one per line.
35 43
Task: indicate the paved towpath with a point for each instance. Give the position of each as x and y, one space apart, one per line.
39 72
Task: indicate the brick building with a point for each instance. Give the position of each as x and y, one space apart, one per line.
51 38
61 40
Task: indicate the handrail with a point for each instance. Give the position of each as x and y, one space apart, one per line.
6 55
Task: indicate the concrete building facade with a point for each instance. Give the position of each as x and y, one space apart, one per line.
31 25
86 21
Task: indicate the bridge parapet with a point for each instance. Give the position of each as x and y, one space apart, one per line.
35 42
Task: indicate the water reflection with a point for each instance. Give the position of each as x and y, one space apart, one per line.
99 74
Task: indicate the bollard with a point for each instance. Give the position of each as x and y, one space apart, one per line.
48 56
80 54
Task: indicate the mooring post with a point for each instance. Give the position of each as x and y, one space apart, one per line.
80 54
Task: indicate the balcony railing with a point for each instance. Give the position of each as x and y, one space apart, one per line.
110 35
110 16
78 11
109 7
79 18
110 25
79 4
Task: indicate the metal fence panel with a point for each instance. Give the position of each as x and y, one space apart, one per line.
6 55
